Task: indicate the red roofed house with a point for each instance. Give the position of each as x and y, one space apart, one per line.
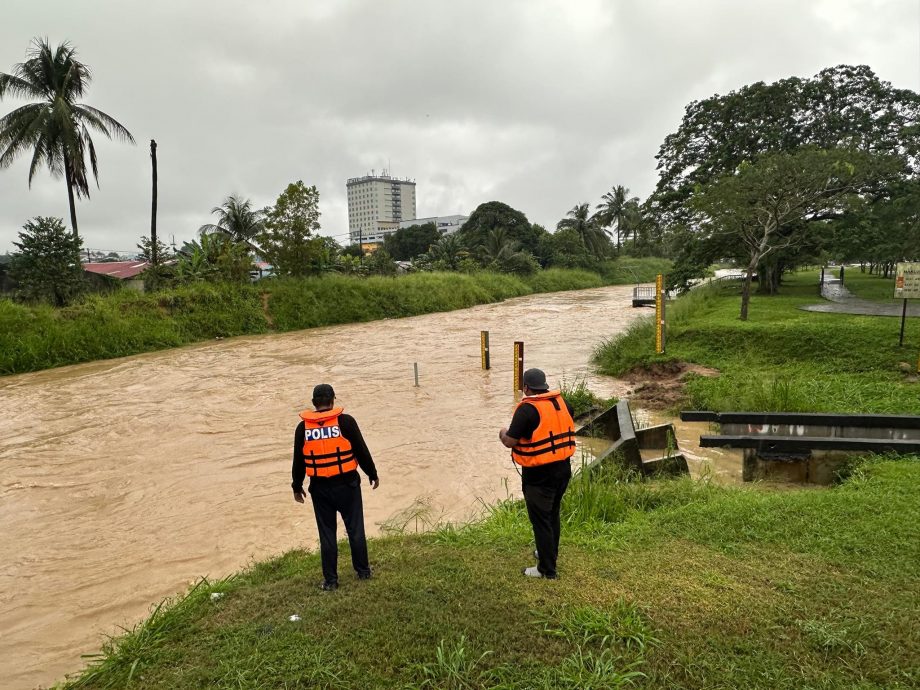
128 272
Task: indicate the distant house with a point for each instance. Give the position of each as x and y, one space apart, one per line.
126 272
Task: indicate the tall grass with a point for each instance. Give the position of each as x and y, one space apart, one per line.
126 322
123 323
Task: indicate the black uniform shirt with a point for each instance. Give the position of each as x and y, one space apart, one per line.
352 434
525 421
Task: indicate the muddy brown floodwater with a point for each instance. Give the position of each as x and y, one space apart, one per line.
124 481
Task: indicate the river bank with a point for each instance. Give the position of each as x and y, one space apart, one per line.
125 323
782 359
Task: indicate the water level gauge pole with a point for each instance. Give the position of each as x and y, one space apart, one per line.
659 314
518 365
484 349
415 366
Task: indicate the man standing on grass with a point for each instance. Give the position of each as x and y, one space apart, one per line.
329 448
542 440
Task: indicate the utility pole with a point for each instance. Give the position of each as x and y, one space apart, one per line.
153 206
361 241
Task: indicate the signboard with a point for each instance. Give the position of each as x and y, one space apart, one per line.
907 281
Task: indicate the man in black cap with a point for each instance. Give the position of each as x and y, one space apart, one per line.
542 441
329 448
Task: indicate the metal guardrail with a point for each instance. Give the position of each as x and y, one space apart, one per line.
643 295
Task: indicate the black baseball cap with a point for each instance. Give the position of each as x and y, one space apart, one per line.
323 392
535 380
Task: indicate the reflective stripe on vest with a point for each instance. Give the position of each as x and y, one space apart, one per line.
326 452
554 439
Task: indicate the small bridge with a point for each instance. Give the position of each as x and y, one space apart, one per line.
643 295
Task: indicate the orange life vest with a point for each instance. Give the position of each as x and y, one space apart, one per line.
554 439
325 451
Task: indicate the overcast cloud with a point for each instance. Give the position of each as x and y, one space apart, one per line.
541 104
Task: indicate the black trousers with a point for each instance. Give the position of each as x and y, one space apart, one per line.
543 501
328 500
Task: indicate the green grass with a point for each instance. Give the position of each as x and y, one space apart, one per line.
667 584
868 286
782 358
577 394
126 322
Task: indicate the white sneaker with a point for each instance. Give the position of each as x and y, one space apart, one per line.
532 571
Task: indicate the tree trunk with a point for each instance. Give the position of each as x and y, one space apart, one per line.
73 208
154 258
746 290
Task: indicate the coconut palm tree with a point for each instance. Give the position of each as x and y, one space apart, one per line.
56 128
587 227
613 210
236 219
448 251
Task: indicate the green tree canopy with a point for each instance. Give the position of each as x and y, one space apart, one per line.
588 229
843 106
765 205
47 266
237 219
56 128
289 240
493 215
614 212
407 243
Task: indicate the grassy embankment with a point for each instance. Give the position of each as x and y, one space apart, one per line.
666 584
126 323
782 358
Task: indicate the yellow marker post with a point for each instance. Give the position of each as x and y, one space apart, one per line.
484 349
518 365
659 314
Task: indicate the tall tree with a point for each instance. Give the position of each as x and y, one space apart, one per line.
764 206
613 210
289 241
407 243
47 266
843 106
495 214
579 219
236 219
56 128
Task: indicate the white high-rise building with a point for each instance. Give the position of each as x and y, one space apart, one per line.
377 204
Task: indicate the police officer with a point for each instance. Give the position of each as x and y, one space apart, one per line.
542 440
329 448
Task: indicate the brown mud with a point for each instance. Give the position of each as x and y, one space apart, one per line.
660 386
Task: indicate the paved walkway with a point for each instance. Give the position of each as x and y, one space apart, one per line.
841 301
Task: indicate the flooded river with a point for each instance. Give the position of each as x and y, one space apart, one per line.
125 480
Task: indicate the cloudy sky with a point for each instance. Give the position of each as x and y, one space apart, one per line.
541 104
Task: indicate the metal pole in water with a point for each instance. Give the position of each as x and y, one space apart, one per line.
415 366
518 365
484 349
